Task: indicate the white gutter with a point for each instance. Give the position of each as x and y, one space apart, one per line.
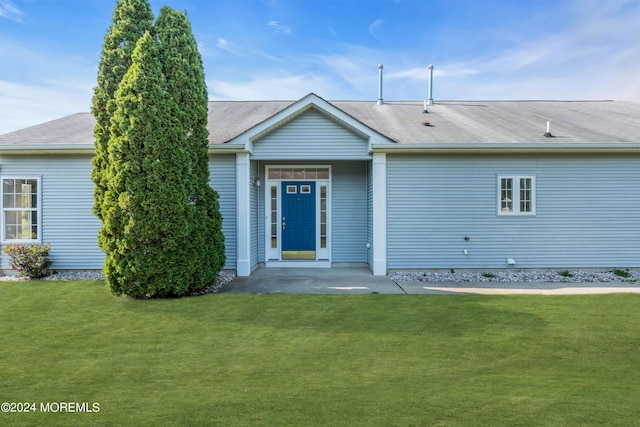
227 148
60 149
507 148
48 149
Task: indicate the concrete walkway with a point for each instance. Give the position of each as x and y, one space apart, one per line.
360 281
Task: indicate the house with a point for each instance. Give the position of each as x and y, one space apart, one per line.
313 183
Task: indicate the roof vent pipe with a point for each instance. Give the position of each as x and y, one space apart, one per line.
380 100
430 100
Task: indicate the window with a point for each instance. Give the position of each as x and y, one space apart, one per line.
323 216
299 173
20 209
274 216
516 195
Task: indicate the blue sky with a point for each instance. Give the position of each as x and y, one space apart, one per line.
284 49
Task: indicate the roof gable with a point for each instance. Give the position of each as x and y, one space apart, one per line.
311 135
311 102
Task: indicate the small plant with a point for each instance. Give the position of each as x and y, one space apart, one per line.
453 271
621 273
489 275
30 260
565 273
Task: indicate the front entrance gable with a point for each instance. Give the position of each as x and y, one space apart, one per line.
311 136
310 129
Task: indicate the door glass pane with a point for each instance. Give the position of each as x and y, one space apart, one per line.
274 173
286 174
323 216
274 216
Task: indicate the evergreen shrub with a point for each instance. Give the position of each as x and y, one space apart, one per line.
30 260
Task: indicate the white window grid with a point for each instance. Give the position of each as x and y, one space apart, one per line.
26 210
516 195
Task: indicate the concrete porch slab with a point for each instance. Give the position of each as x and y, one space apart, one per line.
340 280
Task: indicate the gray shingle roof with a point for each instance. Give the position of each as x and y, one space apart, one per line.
500 121
401 121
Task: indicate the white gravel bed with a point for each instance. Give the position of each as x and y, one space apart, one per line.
516 276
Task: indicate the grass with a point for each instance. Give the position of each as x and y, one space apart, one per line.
374 360
566 273
622 273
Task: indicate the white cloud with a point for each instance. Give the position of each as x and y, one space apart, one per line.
594 56
43 85
278 28
25 105
277 85
422 73
226 45
375 29
8 10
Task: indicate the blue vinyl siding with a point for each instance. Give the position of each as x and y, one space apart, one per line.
311 136
67 200
349 216
586 216
222 178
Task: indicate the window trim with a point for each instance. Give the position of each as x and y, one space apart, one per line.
515 189
38 209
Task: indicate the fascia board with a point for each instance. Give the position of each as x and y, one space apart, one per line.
227 148
48 149
507 148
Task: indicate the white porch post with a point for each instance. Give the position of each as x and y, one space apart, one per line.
379 172
243 267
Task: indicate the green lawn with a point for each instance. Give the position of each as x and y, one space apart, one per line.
251 360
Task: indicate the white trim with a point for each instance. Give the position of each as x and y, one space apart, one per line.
507 147
297 264
39 215
243 194
292 187
515 203
274 255
379 191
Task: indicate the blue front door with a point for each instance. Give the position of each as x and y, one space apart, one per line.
298 220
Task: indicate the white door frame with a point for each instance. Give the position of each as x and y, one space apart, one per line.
273 255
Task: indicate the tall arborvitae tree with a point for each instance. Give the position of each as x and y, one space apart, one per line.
131 18
146 206
184 73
